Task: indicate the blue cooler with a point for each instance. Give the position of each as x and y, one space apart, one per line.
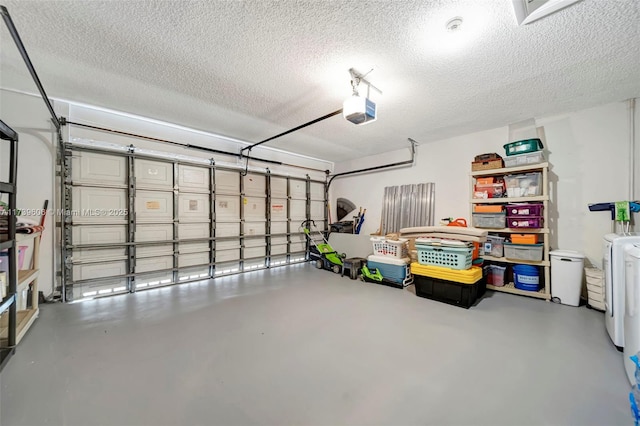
396 270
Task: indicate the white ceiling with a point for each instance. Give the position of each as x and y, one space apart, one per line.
252 69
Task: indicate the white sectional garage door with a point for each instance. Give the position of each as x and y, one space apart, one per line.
138 222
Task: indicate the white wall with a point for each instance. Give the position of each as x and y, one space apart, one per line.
588 151
28 116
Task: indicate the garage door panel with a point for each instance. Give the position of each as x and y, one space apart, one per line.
298 189
193 179
154 206
154 250
254 242
298 210
88 168
297 247
227 244
100 288
255 208
227 208
99 270
278 209
278 249
254 184
278 187
151 280
226 268
317 210
153 232
301 238
279 227
227 182
195 273
279 240
227 255
153 175
193 247
227 229
99 234
98 255
254 252
152 264
316 191
98 205
193 259
193 208
255 228
193 230
278 260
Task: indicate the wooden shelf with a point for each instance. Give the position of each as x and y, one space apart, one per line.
521 262
25 320
544 199
509 170
26 277
509 200
510 288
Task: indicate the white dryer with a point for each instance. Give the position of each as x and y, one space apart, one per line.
614 271
632 311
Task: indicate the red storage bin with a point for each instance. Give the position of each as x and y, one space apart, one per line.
524 209
524 222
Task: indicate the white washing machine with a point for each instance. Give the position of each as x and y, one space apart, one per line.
614 283
632 311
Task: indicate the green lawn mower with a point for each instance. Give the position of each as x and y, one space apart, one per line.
326 257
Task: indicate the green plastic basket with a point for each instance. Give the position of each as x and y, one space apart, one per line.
523 146
447 257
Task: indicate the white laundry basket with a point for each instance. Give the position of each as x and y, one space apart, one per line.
566 276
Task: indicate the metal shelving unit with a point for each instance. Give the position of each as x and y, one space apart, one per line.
8 306
545 291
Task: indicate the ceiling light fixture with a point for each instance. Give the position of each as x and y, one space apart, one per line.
356 109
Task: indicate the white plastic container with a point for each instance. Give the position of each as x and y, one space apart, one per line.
595 287
390 248
566 276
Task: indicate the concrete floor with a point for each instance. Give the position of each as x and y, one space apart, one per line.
301 346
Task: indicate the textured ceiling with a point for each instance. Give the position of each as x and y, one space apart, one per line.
252 69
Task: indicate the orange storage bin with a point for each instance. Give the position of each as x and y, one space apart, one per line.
524 238
481 208
485 180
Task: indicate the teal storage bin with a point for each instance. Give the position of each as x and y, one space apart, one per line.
523 146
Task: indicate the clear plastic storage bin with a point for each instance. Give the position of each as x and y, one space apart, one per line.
494 246
524 159
488 220
532 252
525 185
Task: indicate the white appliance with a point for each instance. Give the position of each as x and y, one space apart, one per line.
632 311
613 266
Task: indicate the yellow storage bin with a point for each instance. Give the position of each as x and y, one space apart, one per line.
466 276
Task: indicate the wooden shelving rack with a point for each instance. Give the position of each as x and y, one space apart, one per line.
8 314
27 278
545 291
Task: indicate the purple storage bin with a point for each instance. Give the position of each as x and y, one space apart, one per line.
524 209
524 222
